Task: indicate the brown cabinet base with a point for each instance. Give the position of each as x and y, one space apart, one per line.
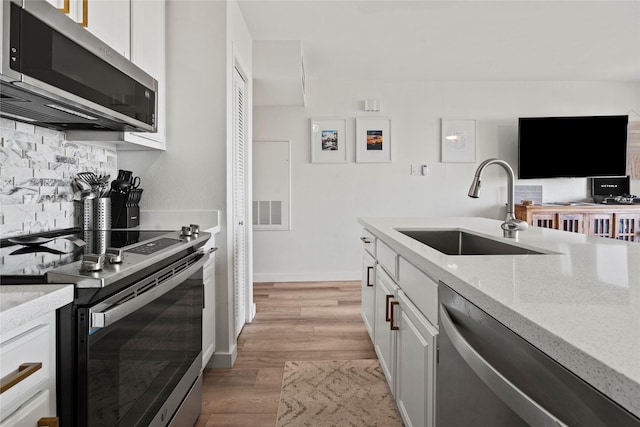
614 221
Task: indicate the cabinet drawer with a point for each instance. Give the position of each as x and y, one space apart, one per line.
30 412
30 347
388 259
368 242
421 290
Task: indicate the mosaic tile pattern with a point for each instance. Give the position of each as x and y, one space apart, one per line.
37 166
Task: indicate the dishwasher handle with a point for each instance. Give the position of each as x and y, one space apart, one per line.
526 408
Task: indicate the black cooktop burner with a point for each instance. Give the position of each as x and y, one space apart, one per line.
26 259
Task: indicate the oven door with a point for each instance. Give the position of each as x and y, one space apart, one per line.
140 350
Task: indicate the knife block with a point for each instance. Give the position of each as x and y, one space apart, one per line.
123 216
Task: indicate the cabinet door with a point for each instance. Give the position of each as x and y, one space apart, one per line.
368 242
208 311
28 365
571 222
110 21
600 224
544 220
415 387
368 292
148 53
74 9
626 226
385 335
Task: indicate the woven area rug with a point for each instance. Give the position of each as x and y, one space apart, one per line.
336 393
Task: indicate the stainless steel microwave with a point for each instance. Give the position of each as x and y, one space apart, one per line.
55 73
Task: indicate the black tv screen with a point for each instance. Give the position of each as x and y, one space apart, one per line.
572 147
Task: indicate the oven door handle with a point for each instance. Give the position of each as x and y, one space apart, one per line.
102 319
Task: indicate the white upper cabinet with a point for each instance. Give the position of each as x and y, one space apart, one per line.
136 29
148 53
109 20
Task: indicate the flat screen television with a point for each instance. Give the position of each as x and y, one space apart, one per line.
572 147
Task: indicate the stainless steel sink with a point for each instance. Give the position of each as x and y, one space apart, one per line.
458 242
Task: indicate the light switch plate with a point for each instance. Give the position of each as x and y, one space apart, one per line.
418 170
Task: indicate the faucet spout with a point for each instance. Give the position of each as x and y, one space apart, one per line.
511 226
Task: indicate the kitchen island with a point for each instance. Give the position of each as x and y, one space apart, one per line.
578 301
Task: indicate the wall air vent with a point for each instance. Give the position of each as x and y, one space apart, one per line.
271 185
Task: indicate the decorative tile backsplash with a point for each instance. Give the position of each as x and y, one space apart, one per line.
528 192
37 166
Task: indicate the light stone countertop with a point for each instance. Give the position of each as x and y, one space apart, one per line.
580 304
20 304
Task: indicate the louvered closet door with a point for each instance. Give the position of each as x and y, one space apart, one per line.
239 198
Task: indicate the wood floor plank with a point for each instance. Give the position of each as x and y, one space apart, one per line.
294 321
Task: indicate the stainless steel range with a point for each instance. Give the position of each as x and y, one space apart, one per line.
129 346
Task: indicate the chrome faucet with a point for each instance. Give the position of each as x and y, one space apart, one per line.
511 225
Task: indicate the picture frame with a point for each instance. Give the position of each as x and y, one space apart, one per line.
458 140
373 140
329 140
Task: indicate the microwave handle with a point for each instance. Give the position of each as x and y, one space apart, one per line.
102 319
528 409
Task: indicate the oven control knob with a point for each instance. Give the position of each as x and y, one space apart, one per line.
195 228
92 262
186 231
114 255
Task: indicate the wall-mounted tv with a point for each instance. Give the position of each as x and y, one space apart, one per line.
572 147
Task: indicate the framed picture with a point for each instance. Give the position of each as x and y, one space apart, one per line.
373 140
328 140
458 140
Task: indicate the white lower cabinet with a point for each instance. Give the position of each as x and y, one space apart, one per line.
208 311
384 327
368 292
415 355
28 371
400 313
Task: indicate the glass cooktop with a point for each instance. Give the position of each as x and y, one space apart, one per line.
25 259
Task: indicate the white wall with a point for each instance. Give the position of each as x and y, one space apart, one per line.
191 174
327 199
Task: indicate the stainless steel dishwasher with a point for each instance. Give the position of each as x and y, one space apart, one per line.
487 375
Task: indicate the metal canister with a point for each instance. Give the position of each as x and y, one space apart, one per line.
102 214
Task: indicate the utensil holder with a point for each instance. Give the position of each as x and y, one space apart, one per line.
87 218
102 214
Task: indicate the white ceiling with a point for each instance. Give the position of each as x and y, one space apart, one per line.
456 40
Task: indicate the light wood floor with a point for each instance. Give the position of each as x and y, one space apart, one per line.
294 321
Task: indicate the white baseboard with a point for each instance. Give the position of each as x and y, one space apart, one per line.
307 277
223 360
